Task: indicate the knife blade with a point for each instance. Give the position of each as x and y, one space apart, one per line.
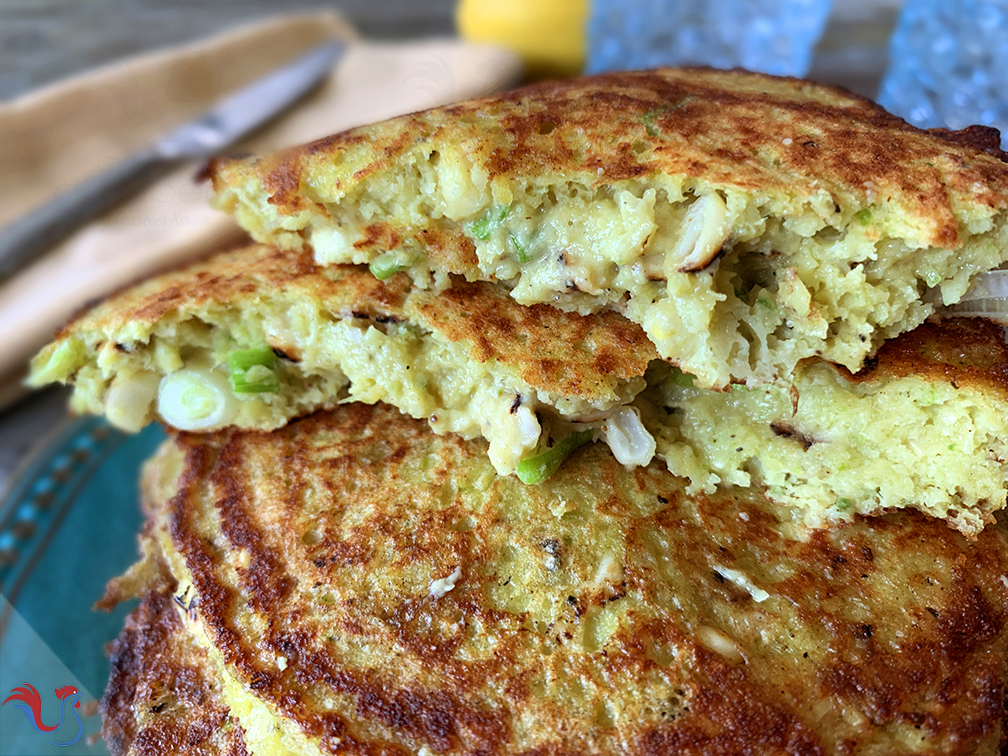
230 119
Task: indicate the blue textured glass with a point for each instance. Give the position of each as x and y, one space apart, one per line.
948 64
761 35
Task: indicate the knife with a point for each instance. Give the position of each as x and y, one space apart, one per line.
230 119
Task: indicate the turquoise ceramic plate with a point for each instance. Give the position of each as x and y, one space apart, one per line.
68 524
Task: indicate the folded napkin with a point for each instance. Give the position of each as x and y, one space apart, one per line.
56 137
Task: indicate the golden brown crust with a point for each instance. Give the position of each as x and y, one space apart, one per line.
563 353
881 634
242 276
556 351
731 129
985 138
962 351
163 697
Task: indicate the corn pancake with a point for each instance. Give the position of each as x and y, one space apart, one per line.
370 587
745 221
474 362
924 425
471 360
164 694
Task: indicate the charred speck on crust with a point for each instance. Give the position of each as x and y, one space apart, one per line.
704 265
284 355
786 431
572 601
187 603
380 319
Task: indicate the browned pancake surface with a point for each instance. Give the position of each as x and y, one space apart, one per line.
604 611
732 129
963 351
164 697
564 353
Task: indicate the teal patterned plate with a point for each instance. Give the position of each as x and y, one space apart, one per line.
68 523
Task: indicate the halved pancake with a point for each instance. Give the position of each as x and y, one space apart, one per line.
371 587
471 360
745 221
924 425
536 381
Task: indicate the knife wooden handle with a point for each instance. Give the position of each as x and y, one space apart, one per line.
33 234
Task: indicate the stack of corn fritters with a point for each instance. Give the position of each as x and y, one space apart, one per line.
783 540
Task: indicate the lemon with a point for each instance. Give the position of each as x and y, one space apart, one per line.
549 36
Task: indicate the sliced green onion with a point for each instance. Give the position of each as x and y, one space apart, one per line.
863 216
536 469
196 400
523 256
253 371
243 359
680 378
648 120
387 265
256 380
481 229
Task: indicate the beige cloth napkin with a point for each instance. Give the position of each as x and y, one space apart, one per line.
55 137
